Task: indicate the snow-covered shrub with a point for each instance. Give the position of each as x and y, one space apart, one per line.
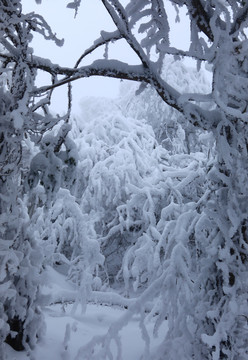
132 188
58 223
167 212
67 243
116 154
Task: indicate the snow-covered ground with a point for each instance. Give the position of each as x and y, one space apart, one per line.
82 328
68 331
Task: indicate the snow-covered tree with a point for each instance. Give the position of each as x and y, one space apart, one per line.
217 244
202 283
176 136
129 179
116 153
21 257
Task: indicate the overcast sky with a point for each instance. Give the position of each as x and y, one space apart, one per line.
79 33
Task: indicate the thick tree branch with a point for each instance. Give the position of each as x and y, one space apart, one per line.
46 65
117 13
201 17
119 70
107 68
122 25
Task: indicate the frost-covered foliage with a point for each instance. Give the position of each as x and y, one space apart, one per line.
171 129
203 287
58 223
116 155
53 166
131 186
125 180
143 204
63 233
21 257
174 225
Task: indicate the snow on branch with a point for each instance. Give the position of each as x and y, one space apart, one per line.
119 70
197 12
240 20
106 37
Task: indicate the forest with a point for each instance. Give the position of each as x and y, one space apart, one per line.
123 231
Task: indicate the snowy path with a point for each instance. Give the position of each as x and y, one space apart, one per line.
95 321
82 327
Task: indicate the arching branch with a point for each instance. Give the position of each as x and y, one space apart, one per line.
119 70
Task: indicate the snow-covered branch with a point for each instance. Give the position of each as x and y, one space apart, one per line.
105 38
200 16
119 70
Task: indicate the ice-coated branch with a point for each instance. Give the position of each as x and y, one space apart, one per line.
105 38
118 15
170 50
197 12
239 20
109 68
39 25
119 70
201 17
120 19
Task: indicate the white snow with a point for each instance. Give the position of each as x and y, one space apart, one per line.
66 331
